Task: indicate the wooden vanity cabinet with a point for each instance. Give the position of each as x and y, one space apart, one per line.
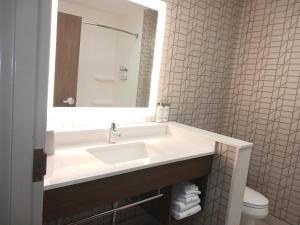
73 199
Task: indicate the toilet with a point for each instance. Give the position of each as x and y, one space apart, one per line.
255 207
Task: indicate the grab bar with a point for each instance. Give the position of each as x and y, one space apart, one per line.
115 210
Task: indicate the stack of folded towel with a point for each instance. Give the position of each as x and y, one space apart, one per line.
185 200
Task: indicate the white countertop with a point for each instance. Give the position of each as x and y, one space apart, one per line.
72 163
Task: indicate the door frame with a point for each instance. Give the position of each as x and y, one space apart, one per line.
29 107
6 94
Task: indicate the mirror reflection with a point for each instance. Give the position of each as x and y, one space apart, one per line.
104 53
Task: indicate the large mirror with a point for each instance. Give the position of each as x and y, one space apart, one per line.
104 53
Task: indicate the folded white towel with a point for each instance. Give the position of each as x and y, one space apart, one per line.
186 186
181 215
185 196
180 206
186 192
186 200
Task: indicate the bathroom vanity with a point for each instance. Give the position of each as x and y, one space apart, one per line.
82 197
86 171
113 75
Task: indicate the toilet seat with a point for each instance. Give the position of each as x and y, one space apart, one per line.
255 207
253 199
254 212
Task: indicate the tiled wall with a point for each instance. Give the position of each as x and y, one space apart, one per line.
264 101
146 57
233 67
218 188
196 61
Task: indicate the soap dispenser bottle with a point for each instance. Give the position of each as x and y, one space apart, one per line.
166 113
159 113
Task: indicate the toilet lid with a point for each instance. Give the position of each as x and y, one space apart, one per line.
254 199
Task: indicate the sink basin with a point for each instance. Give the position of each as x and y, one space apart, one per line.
119 153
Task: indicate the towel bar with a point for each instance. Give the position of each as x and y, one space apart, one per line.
159 195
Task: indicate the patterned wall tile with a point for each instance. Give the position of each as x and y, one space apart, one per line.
197 63
218 188
233 67
264 100
146 57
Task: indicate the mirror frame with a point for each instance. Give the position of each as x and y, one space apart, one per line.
66 118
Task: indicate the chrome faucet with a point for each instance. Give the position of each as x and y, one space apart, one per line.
113 131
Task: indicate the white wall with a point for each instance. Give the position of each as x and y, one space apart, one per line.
128 54
97 54
6 88
102 52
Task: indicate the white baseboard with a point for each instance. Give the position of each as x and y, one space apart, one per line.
274 221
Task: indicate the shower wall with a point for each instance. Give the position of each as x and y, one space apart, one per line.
233 67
